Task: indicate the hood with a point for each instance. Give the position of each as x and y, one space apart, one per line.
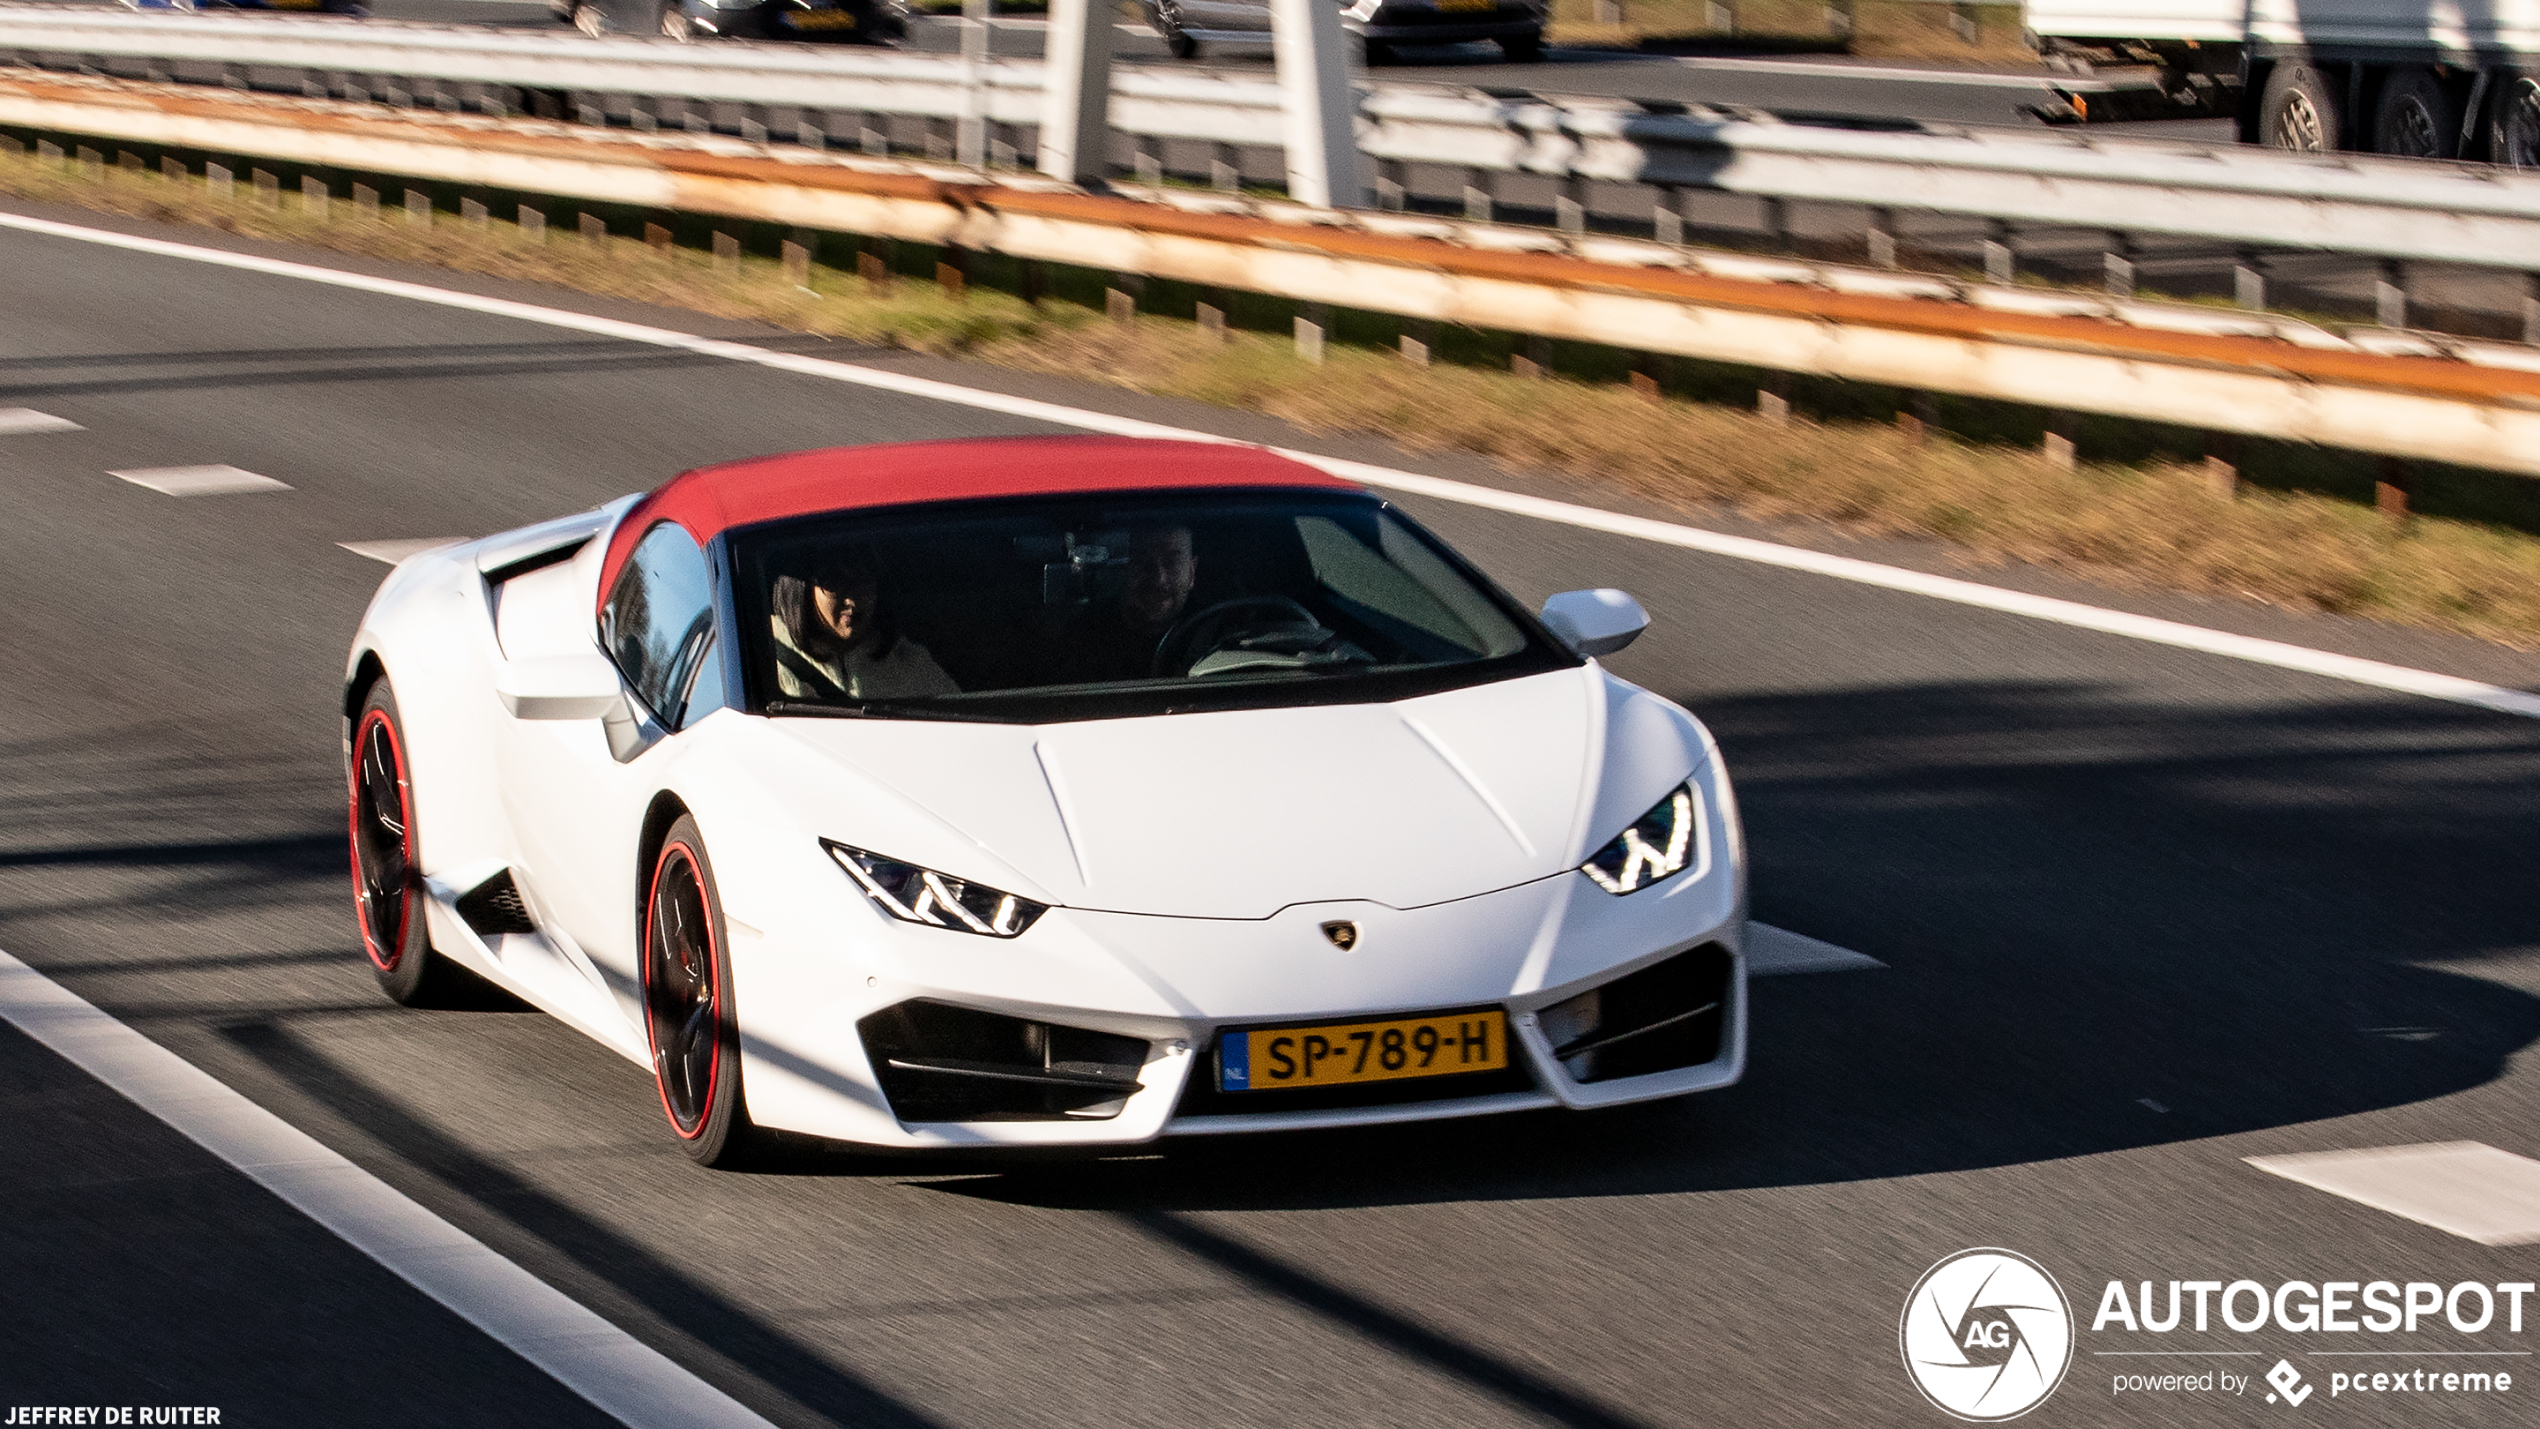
1238 814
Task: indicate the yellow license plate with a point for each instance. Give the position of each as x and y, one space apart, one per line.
1439 1045
1468 4
824 20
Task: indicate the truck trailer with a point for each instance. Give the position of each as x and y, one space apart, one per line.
2438 79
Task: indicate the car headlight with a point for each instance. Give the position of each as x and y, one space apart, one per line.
1660 844
938 900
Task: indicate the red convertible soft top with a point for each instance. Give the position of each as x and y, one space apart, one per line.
713 499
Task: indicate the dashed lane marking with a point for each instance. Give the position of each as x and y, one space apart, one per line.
2468 1188
392 552
612 1369
199 480
27 422
2370 673
1771 952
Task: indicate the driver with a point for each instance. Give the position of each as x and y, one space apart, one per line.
1116 640
835 638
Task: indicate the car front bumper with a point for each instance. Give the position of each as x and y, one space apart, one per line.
1176 983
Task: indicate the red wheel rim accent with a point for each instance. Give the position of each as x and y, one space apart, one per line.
382 827
683 1005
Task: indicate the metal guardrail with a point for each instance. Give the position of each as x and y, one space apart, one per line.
2393 393
2394 209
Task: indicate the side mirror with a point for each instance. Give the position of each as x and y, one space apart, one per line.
560 687
1595 622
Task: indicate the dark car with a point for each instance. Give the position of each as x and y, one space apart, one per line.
1516 25
871 22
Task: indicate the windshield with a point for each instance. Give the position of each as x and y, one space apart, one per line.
1111 606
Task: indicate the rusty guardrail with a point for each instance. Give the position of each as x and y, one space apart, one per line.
2399 394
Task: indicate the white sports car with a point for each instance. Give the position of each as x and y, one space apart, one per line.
1067 791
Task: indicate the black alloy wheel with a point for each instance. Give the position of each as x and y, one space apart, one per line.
387 878
688 1020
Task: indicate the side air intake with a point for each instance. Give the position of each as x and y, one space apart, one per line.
495 907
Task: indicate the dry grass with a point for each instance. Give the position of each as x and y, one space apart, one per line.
2150 525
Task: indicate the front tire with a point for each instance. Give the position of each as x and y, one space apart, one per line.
2298 111
689 1025
1523 49
388 893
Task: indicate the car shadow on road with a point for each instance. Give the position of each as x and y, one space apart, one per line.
2109 924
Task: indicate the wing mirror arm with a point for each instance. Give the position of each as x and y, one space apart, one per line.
1595 622
583 686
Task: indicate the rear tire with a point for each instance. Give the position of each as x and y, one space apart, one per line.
388 893
2298 111
689 1026
2416 119
2513 126
1523 49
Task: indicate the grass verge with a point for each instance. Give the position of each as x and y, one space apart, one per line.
2147 522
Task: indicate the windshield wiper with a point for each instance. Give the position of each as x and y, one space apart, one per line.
866 709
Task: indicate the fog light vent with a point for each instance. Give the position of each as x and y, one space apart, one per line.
938 1062
1665 1016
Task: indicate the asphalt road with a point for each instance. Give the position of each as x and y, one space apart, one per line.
2107 876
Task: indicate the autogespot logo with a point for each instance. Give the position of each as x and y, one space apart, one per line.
1986 1334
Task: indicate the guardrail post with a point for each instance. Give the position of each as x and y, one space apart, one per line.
2390 490
1321 104
1998 264
971 145
2390 294
2222 465
1666 216
1880 240
1478 196
2249 282
2118 263
1076 117
2531 308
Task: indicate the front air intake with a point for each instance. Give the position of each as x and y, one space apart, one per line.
938 1062
1667 1015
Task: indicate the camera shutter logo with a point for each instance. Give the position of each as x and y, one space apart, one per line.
1986 1335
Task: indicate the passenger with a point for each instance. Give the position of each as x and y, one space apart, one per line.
1117 639
835 639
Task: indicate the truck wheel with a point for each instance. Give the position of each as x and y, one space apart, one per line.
2299 111
2416 118
2513 128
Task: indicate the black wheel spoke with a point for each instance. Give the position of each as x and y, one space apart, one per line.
680 991
383 863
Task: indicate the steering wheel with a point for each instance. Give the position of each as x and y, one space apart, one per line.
1206 629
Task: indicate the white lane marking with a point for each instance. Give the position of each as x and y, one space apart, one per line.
2468 1188
1772 952
392 552
2370 673
199 480
26 422
612 1369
